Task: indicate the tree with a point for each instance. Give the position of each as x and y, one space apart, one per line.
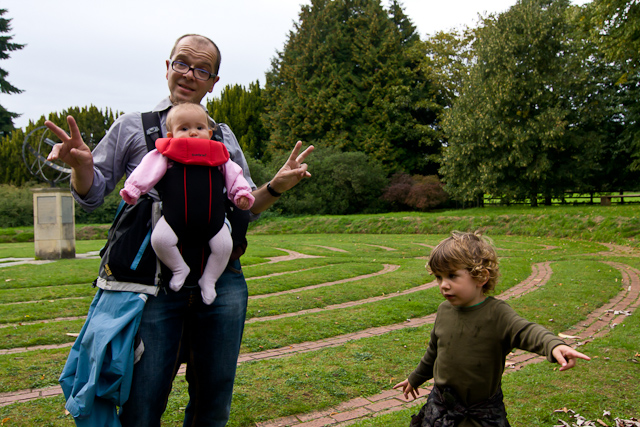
614 26
92 122
517 130
242 109
447 60
6 46
347 78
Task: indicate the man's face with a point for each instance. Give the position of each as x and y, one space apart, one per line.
196 53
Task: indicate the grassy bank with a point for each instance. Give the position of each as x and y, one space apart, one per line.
616 224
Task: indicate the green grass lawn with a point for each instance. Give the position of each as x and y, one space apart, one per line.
349 254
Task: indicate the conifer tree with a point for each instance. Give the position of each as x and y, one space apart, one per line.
347 78
241 109
6 46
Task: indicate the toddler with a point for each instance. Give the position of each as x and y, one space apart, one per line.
471 338
195 170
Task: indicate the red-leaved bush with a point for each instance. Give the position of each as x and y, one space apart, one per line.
415 192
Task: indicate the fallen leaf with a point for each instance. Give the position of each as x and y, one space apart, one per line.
602 423
568 336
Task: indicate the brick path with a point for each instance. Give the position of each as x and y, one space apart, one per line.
541 273
598 323
387 268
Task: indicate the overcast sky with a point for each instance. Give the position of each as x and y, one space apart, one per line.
112 53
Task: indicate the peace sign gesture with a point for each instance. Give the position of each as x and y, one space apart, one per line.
75 153
291 173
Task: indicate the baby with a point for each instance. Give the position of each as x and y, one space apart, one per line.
471 338
195 169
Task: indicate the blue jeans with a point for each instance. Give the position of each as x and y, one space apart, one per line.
178 327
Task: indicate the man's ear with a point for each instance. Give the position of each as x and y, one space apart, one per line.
215 80
170 135
210 133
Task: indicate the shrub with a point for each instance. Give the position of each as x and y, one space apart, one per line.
415 192
16 210
341 183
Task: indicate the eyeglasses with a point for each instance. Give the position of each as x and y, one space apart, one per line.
198 73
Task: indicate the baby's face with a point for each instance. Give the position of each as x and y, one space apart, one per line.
190 124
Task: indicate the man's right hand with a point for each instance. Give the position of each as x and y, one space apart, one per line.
75 153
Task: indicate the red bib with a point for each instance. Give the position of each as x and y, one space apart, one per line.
193 151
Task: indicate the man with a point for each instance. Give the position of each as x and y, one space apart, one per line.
177 326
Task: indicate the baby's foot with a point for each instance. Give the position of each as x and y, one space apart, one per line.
179 277
208 291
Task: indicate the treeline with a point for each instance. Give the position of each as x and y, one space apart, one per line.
92 122
534 102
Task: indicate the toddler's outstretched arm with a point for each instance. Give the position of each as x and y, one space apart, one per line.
566 356
408 388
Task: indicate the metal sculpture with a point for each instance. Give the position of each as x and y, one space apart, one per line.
36 147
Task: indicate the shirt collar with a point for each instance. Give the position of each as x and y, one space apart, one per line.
166 104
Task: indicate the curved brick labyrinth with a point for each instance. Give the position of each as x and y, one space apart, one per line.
387 268
598 323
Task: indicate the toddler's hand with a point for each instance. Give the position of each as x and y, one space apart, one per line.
566 356
407 388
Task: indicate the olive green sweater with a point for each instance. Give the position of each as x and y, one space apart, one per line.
469 345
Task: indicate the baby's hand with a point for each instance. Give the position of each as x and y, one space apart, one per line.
129 198
243 203
566 356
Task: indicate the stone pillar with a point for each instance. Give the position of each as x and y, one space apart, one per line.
54 223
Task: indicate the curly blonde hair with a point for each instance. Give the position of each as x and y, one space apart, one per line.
469 251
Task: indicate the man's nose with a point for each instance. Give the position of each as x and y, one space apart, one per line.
189 74
193 132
